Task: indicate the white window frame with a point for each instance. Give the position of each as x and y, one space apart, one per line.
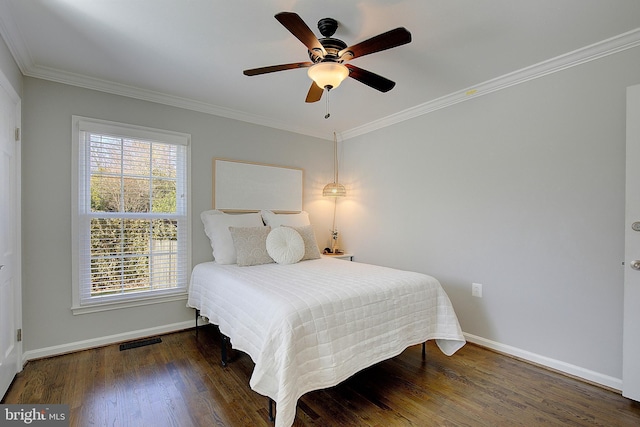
80 184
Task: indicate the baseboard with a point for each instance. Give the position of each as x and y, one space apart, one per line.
557 365
567 368
101 341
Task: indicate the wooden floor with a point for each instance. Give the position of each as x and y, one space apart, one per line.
179 382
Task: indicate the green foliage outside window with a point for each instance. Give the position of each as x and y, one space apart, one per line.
132 252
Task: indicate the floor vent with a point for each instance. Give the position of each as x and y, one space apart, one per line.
141 343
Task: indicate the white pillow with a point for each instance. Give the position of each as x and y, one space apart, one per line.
251 245
285 245
216 226
293 220
311 250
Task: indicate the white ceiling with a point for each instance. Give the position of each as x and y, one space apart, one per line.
191 53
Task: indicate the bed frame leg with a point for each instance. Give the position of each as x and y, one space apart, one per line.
424 350
271 417
224 340
197 315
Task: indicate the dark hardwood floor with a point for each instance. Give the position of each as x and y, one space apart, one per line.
180 382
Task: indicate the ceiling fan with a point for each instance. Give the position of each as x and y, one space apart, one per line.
328 55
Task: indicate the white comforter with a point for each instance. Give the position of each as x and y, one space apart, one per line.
313 324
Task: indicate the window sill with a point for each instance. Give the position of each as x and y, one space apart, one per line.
117 305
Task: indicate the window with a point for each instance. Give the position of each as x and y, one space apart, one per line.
131 218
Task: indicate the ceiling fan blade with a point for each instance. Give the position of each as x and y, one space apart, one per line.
315 93
274 68
384 41
370 79
292 22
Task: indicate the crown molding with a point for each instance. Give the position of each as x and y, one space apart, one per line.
589 53
12 36
20 52
163 98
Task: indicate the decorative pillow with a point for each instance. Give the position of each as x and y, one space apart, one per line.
285 245
216 226
251 245
311 250
293 220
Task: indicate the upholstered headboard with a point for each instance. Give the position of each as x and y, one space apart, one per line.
240 186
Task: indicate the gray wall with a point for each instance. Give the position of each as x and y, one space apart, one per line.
46 184
521 190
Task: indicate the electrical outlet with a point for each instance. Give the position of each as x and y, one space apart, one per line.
476 290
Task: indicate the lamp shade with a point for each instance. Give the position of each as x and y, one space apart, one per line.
328 74
334 189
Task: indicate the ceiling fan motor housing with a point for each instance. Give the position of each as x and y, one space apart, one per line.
332 46
328 27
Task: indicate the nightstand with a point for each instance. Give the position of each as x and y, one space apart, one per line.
344 255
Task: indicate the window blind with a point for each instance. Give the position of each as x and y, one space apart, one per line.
133 217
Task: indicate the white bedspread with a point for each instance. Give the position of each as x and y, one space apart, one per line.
313 324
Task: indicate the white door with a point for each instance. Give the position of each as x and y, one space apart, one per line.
631 334
10 286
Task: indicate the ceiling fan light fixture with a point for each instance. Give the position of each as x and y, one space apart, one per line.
328 74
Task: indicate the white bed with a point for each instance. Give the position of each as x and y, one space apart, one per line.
308 322
312 324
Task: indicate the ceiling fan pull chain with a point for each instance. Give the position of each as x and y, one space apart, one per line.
326 116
